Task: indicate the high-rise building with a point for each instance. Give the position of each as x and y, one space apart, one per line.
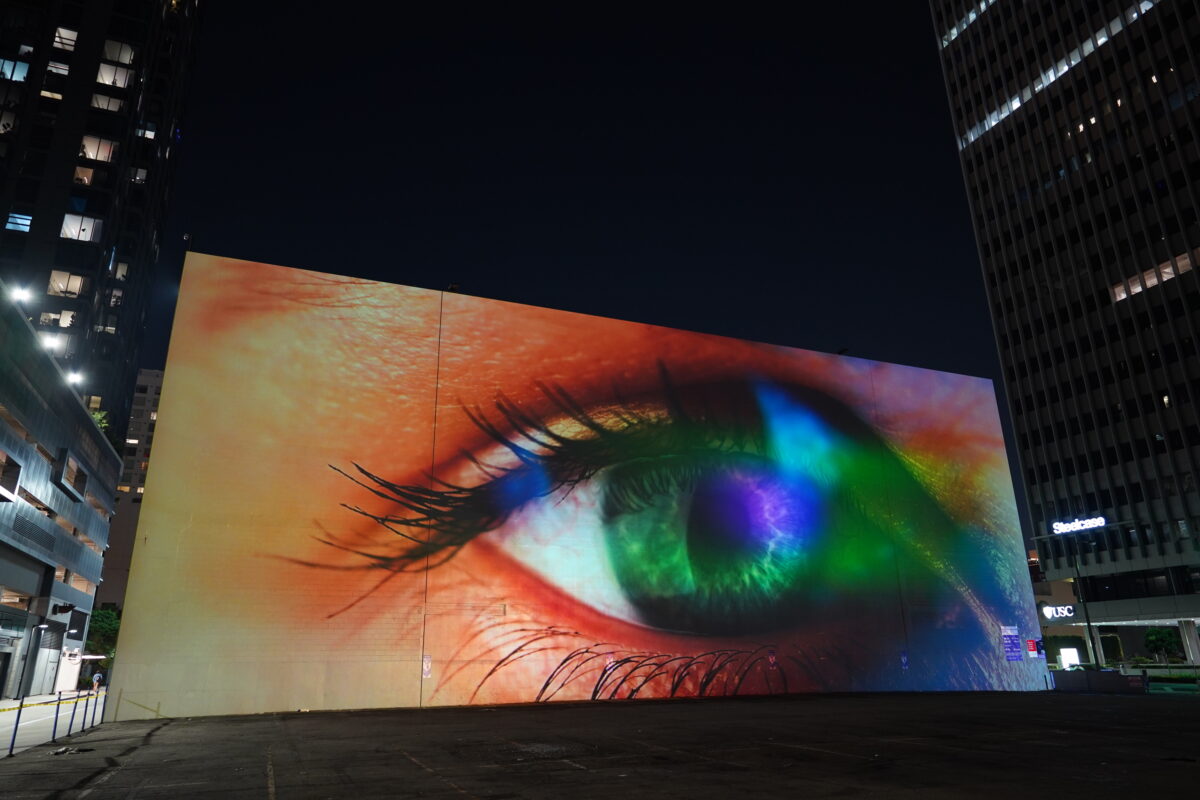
138 439
90 105
58 479
1078 126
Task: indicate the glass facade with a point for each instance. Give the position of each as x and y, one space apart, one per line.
1077 129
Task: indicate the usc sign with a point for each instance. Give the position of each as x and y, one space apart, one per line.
1058 612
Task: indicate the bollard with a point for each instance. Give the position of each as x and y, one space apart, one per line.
54 730
83 722
74 705
13 742
95 706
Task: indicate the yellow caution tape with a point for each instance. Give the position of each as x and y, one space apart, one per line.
55 702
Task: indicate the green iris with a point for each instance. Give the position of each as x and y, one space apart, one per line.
738 544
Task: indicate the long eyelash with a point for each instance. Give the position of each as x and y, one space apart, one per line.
624 674
434 522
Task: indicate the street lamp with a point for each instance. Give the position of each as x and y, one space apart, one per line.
1094 643
20 294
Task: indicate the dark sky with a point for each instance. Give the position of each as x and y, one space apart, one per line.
788 177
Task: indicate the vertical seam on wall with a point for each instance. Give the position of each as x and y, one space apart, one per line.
437 385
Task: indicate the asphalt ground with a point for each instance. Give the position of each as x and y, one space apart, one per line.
917 745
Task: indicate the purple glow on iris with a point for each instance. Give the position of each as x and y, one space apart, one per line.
755 512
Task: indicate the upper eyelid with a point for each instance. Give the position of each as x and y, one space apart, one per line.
453 514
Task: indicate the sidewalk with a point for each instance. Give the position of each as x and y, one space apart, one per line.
926 746
30 721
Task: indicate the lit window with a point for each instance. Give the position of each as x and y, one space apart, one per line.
122 270
131 441
50 94
8 122
147 130
58 68
13 70
137 174
103 101
73 475
1152 277
93 402
111 75
64 38
1057 70
97 149
82 585
115 296
64 284
19 222
141 490
153 415
81 228
84 175
118 51
61 319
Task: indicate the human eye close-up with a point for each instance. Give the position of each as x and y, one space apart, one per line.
746 511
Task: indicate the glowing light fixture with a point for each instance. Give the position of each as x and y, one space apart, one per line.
20 294
74 378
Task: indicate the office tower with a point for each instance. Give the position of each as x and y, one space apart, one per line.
58 478
1077 126
138 439
90 106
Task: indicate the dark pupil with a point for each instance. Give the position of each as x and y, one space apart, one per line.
725 525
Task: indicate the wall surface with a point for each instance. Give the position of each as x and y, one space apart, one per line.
368 495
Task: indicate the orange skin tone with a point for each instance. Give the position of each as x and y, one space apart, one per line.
335 371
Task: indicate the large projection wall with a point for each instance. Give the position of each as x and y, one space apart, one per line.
366 495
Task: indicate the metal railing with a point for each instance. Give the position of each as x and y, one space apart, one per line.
86 711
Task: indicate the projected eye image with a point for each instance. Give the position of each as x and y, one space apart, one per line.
470 501
712 512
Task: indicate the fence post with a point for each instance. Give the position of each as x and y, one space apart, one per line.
13 742
83 722
54 730
95 706
75 707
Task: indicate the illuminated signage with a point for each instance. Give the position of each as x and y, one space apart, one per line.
1079 525
1058 612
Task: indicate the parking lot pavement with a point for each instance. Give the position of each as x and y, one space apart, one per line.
926 745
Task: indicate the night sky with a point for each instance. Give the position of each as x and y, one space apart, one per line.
785 178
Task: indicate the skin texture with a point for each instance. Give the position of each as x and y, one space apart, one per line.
275 376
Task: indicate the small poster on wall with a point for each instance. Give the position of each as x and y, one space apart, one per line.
1012 643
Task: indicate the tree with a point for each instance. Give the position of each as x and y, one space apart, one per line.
101 420
102 635
105 426
1163 642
